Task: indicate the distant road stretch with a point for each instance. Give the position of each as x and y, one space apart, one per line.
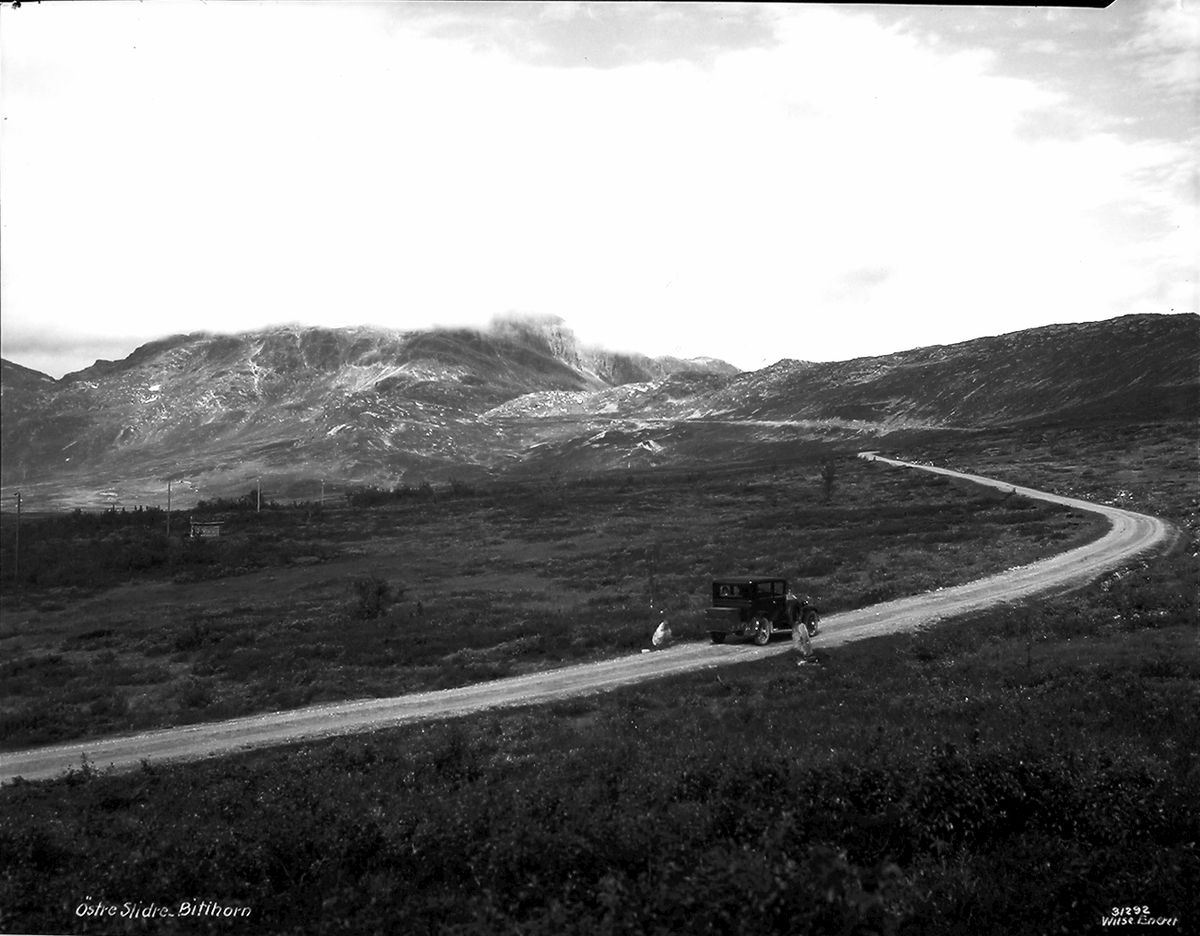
1131 533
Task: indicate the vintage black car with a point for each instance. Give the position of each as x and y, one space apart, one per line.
757 607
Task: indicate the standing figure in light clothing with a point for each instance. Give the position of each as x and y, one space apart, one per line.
662 634
801 643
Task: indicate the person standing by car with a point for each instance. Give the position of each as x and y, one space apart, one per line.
801 643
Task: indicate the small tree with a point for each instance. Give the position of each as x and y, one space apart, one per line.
829 474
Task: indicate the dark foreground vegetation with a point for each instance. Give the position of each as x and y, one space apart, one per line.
980 777
435 588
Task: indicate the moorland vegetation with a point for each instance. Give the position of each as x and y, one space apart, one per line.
115 627
1025 769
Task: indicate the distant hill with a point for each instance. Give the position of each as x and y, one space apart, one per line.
356 405
1132 367
16 379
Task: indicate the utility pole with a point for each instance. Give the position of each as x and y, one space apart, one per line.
322 492
168 511
653 562
17 549
258 509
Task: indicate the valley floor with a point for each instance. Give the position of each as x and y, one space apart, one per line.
413 594
1131 534
1018 770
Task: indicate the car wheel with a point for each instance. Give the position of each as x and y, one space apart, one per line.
717 636
762 631
812 621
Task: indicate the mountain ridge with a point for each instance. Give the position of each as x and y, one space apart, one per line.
367 405
348 400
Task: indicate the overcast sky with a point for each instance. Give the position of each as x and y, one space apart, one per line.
743 181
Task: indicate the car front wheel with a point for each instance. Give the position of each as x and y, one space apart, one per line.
762 632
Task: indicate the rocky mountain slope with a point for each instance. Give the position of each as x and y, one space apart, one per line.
17 379
363 405
1131 367
297 403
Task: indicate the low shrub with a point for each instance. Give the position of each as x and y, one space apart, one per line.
372 597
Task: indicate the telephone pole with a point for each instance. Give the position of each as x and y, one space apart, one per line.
258 509
653 562
17 547
168 510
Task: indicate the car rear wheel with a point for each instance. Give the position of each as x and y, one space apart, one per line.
717 636
762 631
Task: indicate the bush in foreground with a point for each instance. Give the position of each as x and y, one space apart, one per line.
879 791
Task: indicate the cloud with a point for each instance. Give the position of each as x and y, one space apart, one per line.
1167 47
597 35
808 172
57 351
866 276
1042 47
857 284
1051 123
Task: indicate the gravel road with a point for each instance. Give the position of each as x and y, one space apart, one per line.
1131 533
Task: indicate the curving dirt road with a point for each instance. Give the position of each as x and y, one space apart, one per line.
1131 533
